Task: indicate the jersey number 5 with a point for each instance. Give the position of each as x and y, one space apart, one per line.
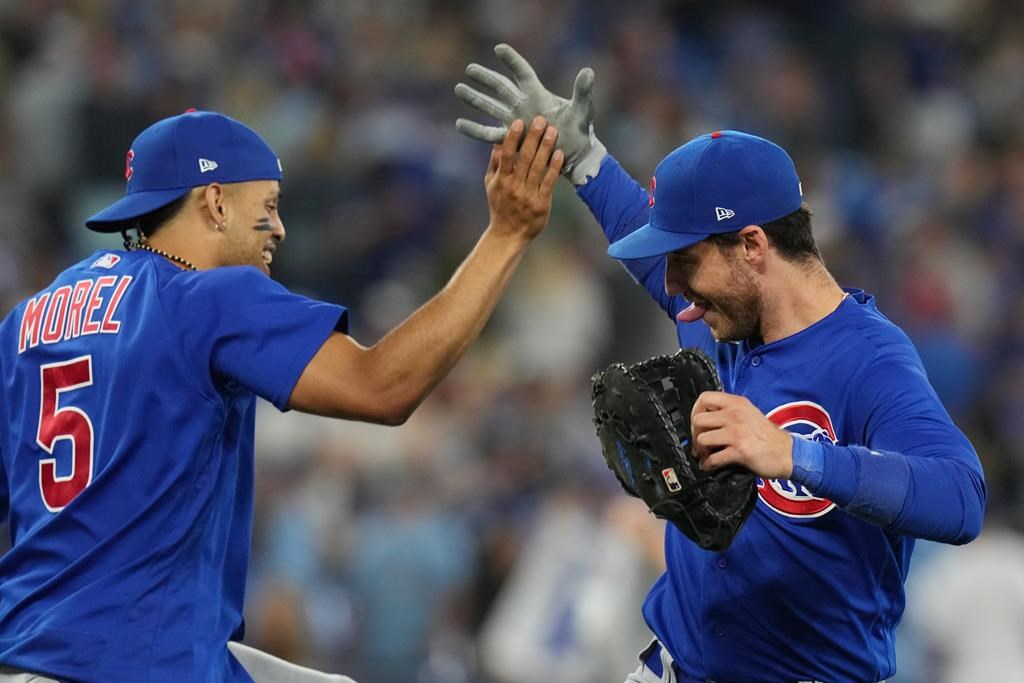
64 423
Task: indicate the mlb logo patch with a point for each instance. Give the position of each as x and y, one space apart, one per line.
671 480
107 261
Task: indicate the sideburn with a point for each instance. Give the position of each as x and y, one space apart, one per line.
740 305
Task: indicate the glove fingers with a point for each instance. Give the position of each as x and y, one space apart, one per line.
484 103
507 91
581 90
520 68
478 131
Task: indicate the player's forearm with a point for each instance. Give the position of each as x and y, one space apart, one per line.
939 498
621 206
425 347
617 201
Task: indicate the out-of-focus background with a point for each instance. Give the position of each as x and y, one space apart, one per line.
485 541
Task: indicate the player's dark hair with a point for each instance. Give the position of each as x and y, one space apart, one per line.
147 224
790 235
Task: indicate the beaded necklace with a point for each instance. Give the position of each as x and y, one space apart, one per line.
141 244
161 252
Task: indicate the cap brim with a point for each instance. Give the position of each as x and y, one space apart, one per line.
649 241
114 217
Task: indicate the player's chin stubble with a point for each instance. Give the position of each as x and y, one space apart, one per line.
241 253
727 327
736 314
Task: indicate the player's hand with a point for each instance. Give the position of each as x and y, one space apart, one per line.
526 98
730 430
520 185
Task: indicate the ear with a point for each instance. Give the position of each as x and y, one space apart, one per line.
755 244
214 203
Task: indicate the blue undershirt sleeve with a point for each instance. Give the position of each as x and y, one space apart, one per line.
808 462
622 206
916 474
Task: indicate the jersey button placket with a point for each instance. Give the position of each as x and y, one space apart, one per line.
755 361
719 630
722 562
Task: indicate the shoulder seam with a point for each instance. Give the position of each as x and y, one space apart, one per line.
861 335
855 383
179 352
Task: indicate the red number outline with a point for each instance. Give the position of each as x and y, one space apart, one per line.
56 423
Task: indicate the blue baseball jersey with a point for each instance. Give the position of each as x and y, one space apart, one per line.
126 443
812 586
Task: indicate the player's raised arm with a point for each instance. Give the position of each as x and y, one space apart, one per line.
385 382
618 202
527 97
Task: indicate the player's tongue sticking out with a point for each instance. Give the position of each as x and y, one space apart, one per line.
691 313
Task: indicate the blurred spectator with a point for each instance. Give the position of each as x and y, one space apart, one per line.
969 609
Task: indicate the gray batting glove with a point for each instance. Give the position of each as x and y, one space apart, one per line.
527 97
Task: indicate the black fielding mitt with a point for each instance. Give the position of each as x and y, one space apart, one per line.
642 414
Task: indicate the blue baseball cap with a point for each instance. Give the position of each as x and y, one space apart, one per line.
181 152
715 183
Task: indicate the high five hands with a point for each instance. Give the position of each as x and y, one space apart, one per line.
526 97
520 184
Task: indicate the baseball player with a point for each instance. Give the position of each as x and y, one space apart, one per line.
129 386
825 401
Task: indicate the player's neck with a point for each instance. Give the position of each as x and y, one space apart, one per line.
800 296
177 241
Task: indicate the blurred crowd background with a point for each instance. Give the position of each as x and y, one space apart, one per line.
485 541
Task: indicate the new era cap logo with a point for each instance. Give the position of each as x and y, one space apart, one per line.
722 214
206 165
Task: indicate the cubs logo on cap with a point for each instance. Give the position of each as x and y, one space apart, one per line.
715 183
181 152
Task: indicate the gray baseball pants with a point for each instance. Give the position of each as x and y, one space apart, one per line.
262 667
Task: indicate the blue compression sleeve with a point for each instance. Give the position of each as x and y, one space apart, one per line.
621 206
617 201
808 463
883 488
913 472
